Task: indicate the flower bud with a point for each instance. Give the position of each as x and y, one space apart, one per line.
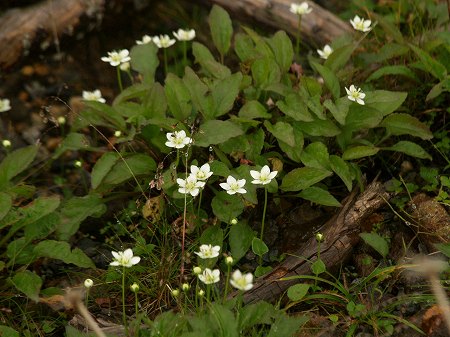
197 270
319 237
61 120
229 260
78 163
175 292
201 292
88 283
134 287
185 286
117 133
6 143
234 221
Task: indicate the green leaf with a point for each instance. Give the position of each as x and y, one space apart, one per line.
294 106
385 101
225 320
221 29
253 109
16 162
282 131
318 267
319 196
286 326
244 47
240 239
256 142
431 65
298 291
410 148
376 242
212 236
73 142
281 46
197 90
42 228
36 210
362 117
325 128
304 177
393 70
155 105
219 168
61 251
389 28
5 205
204 57
216 131
75 210
265 72
315 155
29 283
6 331
260 270
178 97
226 207
259 247
133 165
338 110
342 169
20 252
101 168
444 248
330 79
403 124
144 60
294 152
339 57
224 94
255 313
360 151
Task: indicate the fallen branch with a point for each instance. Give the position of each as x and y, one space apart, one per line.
340 234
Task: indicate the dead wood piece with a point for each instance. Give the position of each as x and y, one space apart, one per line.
318 27
340 234
42 23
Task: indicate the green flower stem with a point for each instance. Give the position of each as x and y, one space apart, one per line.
165 61
225 293
199 202
119 78
208 293
264 214
124 315
297 42
87 298
184 54
136 303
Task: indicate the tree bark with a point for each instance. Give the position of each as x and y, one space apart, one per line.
318 27
340 235
43 23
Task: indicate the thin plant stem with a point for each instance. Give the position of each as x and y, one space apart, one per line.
184 223
199 203
165 61
184 54
124 314
297 42
208 293
225 293
119 78
264 214
136 303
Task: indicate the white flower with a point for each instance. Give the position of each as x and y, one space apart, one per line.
233 186
325 52
163 41
355 94
6 143
125 66
177 139
242 281
208 251
361 24
88 283
210 276
202 173
95 95
190 185
116 58
4 105
300 9
145 39
264 177
125 258
184 35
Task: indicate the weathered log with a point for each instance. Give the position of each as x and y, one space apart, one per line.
43 23
318 27
340 234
